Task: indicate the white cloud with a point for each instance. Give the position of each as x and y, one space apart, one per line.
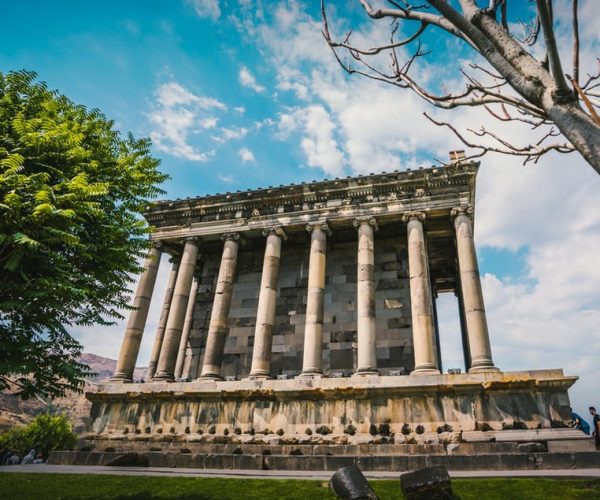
207 8
240 109
229 179
319 144
209 122
247 79
228 134
246 155
177 113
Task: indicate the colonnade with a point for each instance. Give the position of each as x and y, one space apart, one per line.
168 351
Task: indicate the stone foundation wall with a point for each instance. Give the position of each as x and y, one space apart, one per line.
392 301
395 405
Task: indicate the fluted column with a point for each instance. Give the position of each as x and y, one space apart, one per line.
187 326
313 329
267 300
137 318
470 286
423 327
365 300
164 315
168 353
217 329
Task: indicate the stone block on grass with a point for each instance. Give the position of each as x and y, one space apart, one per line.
430 483
349 483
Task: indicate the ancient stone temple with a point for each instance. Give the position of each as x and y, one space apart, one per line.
307 313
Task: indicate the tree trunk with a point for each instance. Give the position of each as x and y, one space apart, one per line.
577 127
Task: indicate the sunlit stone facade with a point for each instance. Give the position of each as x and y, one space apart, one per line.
296 307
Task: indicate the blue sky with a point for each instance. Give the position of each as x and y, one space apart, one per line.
238 95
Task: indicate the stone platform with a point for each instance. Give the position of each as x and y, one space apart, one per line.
490 456
408 406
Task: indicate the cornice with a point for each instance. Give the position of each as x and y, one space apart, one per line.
255 205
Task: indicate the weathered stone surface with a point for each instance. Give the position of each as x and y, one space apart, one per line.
421 403
534 447
128 460
367 459
349 483
431 483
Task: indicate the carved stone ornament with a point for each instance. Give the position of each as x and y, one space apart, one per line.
157 244
318 225
278 230
392 197
407 216
461 210
365 220
255 212
230 236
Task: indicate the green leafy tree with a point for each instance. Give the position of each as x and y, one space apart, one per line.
45 433
71 193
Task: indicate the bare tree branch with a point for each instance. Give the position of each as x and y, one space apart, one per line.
560 81
516 87
530 153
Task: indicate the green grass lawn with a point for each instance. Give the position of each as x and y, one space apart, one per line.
21 486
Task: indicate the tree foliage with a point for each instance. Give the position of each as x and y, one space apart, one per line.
515 78
71 193
45 433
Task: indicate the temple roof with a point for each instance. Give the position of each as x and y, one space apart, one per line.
434 182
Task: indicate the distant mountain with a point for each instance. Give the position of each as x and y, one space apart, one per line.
105 367
14 411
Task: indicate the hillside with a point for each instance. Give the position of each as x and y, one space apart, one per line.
14 411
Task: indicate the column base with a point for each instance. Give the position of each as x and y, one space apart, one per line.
366 372
311 374
425 371
121 377
259 375
208 377
163 377
483 369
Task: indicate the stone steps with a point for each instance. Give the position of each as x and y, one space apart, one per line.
377 462
463 448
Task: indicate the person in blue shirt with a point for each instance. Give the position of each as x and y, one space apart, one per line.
580 423
596 432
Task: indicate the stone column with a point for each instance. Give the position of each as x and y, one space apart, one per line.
313 329
365 300
217 329
187 326
470 285
168 354
265 317
164 315
137 318
421 306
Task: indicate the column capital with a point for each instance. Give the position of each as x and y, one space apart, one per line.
230 236
461 210
323 226
365 220
277 230
408 216
157 244
192 239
